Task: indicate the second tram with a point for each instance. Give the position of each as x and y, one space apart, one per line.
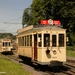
5 45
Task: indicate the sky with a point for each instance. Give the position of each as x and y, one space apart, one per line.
11 12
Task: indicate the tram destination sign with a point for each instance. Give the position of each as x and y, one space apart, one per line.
50 22
44 22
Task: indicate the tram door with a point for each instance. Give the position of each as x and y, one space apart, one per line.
35 46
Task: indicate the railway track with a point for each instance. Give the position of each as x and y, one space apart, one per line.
67 69
13 58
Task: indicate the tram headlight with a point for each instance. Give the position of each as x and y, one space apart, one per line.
47 51
54 52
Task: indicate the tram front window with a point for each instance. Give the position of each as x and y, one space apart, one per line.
46 40
3 44
61 40
54 40
6 43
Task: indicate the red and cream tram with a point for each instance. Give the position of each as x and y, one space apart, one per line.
43 44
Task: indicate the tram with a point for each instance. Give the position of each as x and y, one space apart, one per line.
44 44
5 45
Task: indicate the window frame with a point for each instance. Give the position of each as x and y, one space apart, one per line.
46 40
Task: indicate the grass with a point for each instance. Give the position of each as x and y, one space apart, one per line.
7 67
70 51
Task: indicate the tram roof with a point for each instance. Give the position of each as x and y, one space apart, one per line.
47 26
37 27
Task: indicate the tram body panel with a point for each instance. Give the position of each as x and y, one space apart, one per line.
25 51
6 49
61 53
39 51
40 55
43 57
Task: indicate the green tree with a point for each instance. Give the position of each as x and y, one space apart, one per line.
41 9
72 39
26 18
67 15
63 10
7 35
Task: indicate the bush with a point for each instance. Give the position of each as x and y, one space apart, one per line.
71 37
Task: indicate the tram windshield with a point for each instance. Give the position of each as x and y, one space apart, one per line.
54 39
6 44
61 40
46 40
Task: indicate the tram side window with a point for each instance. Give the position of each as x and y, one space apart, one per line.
25 41
61 40
46 40
54 40
30 40
22 41
19 41
40 40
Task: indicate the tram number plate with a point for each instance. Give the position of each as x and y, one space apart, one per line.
54 57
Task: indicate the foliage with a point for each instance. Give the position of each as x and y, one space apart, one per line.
7 35
71 39
70 51
26 18
63 10
41 9
7 67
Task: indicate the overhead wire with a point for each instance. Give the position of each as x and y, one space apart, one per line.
13 21
8 22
